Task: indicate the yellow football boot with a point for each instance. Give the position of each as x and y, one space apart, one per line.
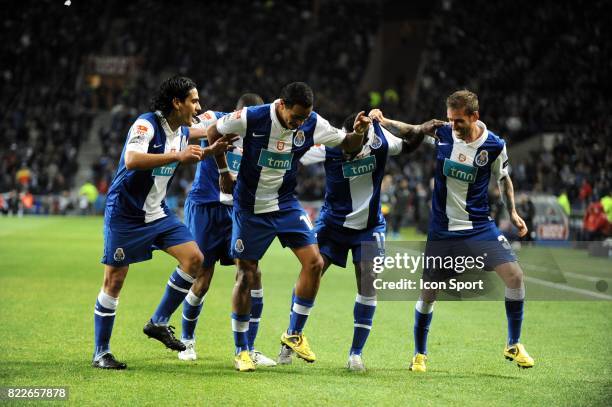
518 354
299 344
243 362
418 363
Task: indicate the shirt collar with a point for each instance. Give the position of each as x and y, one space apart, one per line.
479 141
275 121
166 126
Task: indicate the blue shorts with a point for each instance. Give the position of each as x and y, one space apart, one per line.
485 242
128 242
211 225
335 242
252 234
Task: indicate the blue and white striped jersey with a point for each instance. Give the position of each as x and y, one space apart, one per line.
352 187
205 188
267 176
138 195
461 180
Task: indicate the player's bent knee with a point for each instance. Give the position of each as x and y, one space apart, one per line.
193 264
517 277
315 265
512 274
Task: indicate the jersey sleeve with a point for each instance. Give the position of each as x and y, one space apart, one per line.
395 143
327 134
499 167
140 135
316 154
233 123
207 119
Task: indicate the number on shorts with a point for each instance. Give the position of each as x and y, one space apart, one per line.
306 220
504 242
380 239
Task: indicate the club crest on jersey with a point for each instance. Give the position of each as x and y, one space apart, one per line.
119 254
239 246
482 158
376 142
280 145
299 138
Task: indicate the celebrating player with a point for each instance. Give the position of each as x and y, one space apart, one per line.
208 215
351 213
136 216
467 156
275 136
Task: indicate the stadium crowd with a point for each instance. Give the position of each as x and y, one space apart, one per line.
546 74
44 117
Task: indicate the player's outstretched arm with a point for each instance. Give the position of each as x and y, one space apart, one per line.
220 146
196 133
135 160
212 133
354 140
412 134
508 195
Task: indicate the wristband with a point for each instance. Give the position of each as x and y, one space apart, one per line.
223 170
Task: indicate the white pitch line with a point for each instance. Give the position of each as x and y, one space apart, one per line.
568 288
585 277
564 273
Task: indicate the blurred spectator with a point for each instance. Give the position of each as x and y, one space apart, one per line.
564 202
87 198
526 210
387 197
400 208
595 222
606 203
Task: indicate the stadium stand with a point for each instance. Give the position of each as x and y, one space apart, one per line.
546 75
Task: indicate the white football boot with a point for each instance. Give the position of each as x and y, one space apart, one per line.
355 363
189 353
260 359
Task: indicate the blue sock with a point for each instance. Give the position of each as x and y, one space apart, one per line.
240 327
192 307
104 318
515 300
363 313
256 309
177 288
423 313
299 314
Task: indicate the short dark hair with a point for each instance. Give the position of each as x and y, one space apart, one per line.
249 99
349 122
174 87
463 99
297 93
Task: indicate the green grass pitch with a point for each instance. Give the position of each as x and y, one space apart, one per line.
50 275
